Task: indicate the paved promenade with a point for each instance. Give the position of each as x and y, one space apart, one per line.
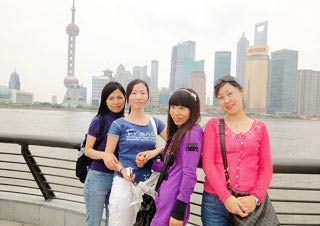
20 210
13 223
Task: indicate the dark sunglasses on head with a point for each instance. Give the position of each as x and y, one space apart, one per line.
227 78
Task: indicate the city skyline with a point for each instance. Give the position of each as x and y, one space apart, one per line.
34 41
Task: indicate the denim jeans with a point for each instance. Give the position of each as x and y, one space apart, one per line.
96 194
213 211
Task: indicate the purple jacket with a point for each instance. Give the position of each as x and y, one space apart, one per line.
174 194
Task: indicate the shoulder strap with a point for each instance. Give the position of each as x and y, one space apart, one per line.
165 166
166 163
164 171
102 125
168 157
155 130
223 150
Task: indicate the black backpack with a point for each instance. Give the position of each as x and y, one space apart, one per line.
83 162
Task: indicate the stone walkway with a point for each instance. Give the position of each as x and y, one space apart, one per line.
13 223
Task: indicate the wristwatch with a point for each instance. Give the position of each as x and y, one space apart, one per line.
258 203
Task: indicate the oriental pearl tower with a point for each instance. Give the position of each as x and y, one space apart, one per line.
72 96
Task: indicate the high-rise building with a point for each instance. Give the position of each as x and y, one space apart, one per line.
222 67
182 55
308 93
5 94
144 73
136 72
222 64
256 79
122 76
197 82
98 82
72 96
242 47
190 66
283 81
154 73
14 82
173 69
108 73
198 65
257 71
83 93
261 34
140 72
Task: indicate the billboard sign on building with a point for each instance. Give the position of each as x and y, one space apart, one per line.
257 50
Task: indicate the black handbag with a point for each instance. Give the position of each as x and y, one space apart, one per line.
146 211
83 162
148 207
263 214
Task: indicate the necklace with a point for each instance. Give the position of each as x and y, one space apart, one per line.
237 125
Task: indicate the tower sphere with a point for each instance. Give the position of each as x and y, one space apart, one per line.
72 29
71 80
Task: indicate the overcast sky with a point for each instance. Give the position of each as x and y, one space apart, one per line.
33 38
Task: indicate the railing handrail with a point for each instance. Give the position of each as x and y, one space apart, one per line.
280 165
296 165
60 142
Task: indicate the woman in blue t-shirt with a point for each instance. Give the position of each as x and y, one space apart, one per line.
132 134
98 182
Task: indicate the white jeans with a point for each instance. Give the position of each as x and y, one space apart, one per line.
120 211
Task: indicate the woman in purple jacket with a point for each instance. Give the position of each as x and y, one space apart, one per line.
184 147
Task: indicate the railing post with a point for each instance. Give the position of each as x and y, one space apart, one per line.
37 173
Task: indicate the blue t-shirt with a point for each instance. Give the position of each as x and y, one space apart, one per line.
134 139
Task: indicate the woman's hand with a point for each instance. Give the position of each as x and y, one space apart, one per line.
248 202
110 160
233 205
127 174
175 222
143 157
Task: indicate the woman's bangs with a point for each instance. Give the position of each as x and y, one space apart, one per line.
179 99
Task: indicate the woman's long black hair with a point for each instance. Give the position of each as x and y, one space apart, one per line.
106 91
185 97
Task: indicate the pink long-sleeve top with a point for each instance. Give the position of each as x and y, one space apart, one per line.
249 160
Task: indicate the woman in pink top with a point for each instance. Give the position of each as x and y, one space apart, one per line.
248 154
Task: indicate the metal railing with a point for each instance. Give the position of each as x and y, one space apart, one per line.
49 171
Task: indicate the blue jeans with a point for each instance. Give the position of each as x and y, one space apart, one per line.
96 192
213 211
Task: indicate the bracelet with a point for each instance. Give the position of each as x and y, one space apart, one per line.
258 203
121 169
